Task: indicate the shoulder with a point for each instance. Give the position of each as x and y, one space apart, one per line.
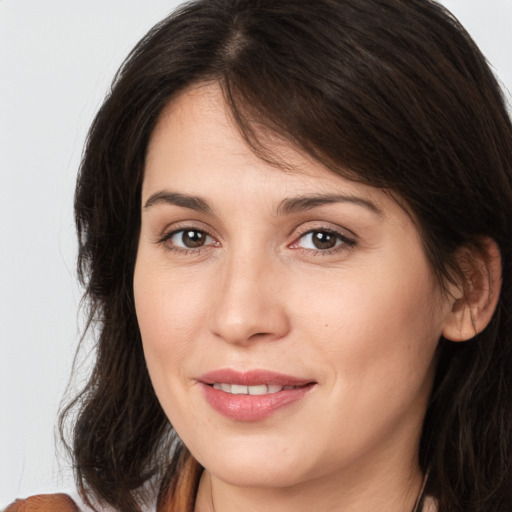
44 503
61 502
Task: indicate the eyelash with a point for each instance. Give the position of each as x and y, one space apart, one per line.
186 250
343 242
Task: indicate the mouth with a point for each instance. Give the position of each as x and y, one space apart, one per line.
253 395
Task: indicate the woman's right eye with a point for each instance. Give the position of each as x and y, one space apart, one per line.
188 239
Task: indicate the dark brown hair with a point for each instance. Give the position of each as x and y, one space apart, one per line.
396 92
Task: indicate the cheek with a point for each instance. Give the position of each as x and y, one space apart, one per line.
376 339
168 316
377 330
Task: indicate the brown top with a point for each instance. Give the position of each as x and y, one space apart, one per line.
44 503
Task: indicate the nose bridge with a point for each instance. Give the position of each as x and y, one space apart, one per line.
248 304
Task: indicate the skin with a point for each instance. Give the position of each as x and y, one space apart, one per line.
361 319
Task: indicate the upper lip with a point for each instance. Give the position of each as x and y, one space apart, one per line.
252 378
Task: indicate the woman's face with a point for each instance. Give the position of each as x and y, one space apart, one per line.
289 318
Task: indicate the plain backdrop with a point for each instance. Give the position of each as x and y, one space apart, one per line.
57 58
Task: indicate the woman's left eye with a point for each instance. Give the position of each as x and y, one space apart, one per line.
322 240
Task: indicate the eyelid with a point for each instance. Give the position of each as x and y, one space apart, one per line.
172 234
166 231
179 227
347 237
311 226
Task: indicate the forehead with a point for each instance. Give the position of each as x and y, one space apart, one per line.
196 133
196 148
199 124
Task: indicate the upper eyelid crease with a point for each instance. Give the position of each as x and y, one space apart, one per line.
168 234
348 239
337 229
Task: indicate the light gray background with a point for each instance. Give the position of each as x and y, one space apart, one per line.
57 58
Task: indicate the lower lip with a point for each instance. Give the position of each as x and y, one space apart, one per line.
252 407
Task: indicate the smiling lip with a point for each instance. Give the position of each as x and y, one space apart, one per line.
235 401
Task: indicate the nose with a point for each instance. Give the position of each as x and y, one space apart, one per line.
248 305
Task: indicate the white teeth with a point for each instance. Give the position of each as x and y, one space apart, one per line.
261 389
237 389
257 390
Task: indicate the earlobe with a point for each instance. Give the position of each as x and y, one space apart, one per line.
474 300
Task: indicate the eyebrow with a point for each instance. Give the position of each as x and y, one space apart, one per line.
176 199
308 202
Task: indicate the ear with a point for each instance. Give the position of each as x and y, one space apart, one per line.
474 300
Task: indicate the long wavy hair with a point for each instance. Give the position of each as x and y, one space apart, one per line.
392 93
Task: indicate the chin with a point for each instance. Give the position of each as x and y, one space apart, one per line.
250 475
245 466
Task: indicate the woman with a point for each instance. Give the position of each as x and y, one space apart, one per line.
295 224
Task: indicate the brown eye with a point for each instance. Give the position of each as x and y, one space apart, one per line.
322 240
193 239
190 239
